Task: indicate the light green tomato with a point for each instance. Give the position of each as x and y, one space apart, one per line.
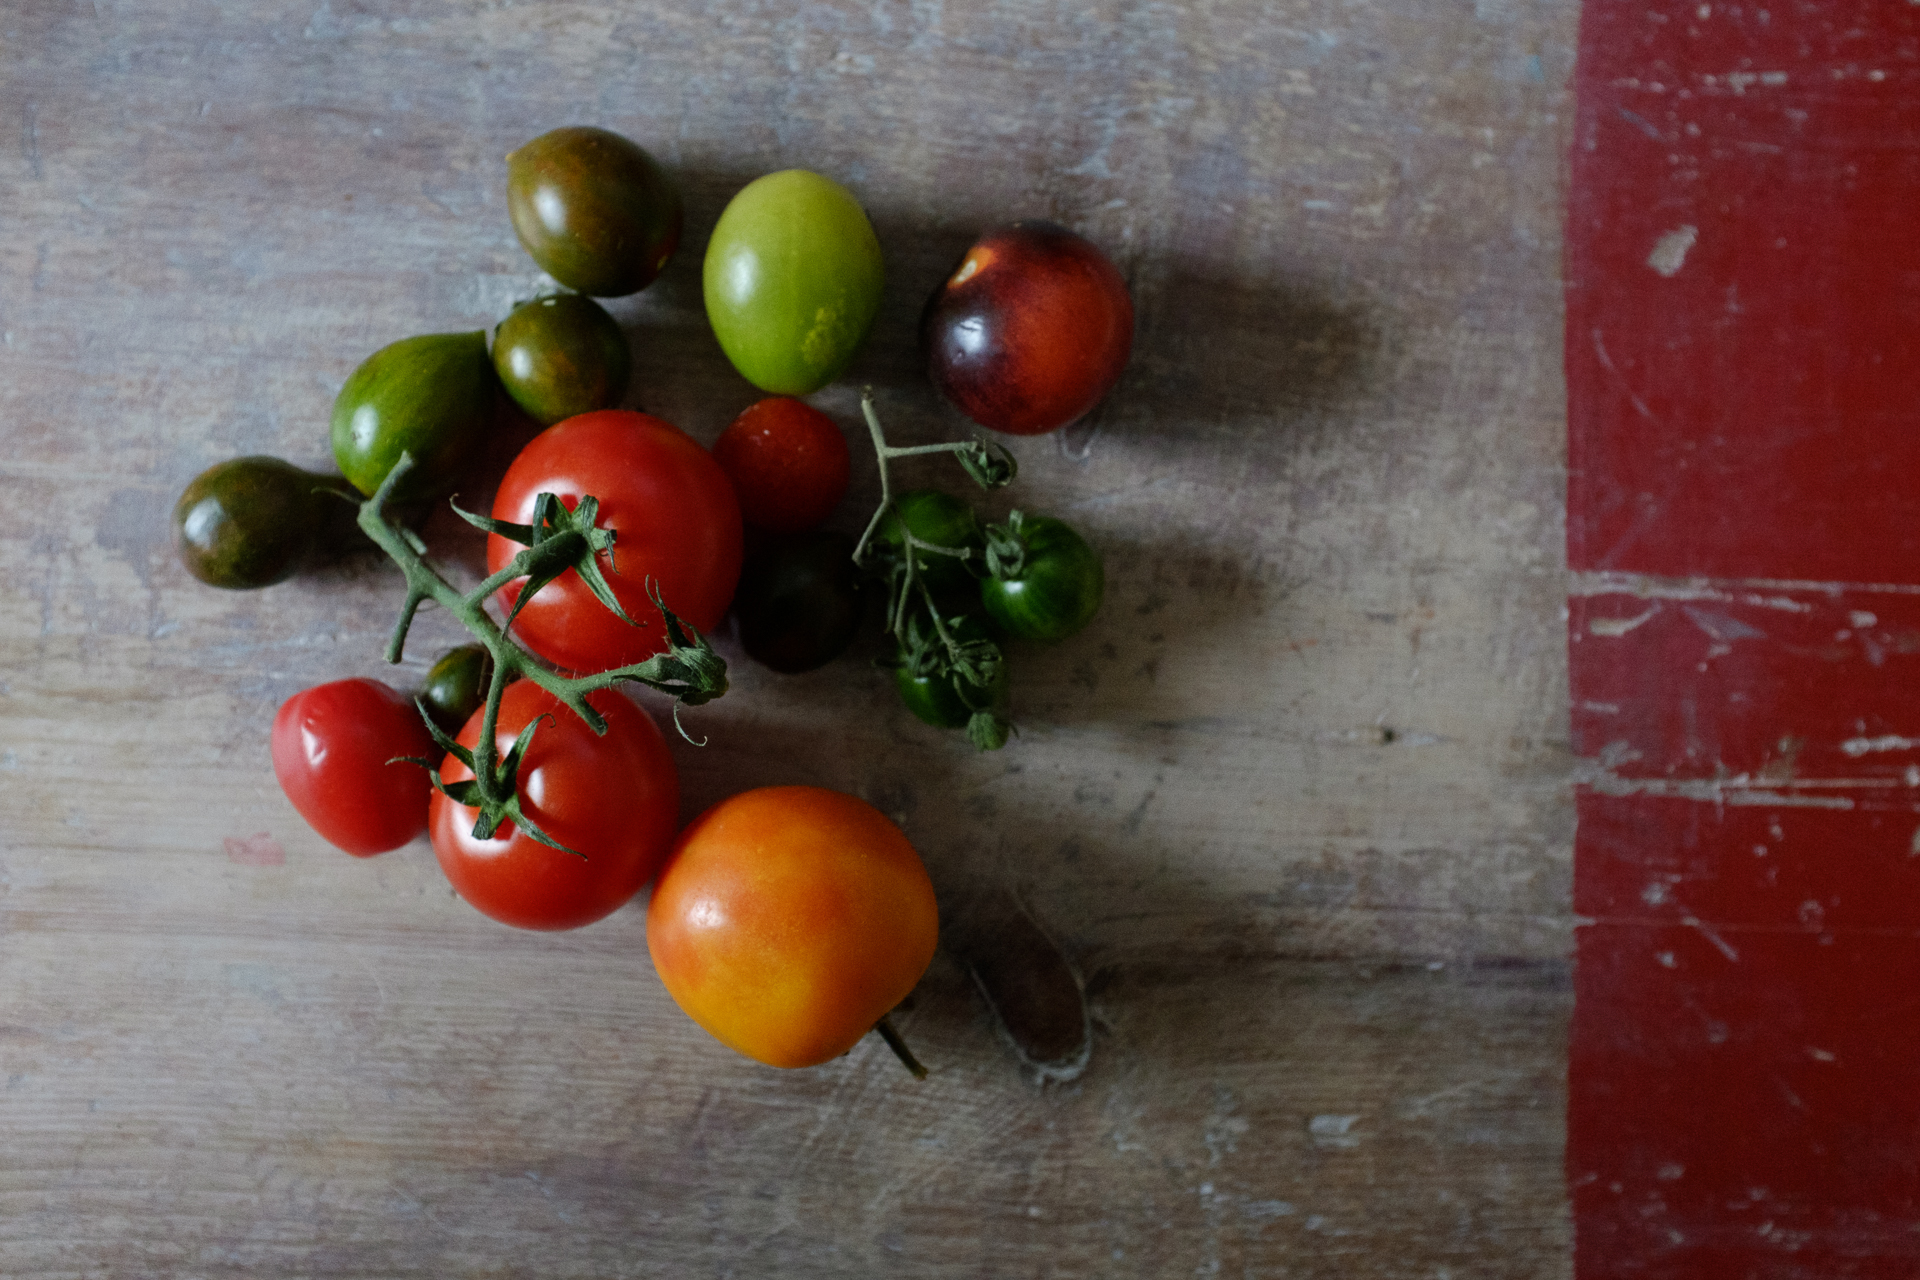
793 278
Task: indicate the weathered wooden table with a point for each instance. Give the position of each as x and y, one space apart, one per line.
1297 805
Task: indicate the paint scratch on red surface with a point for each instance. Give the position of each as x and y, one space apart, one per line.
260 850
1743 369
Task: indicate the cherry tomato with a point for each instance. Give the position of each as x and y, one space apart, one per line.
335 748
431 396
561 356
789 920
788 462
1030 331
799 601
943 520
613 798
248 522
1049 583
792 281
946 700
676 521
593 209
456 686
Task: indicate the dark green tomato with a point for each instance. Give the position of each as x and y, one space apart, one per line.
430 396
947 700
594 210
1049 583
943 520
249 522
562 356
799 601
456 686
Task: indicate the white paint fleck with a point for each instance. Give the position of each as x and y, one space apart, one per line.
1666 959
1720 944
1857 747
1333 1131
1613 628
1601 708
1657 893
1671 1172
1820 1055
1861 618
1720 627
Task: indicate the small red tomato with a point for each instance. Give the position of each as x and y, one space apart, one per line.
788 463
614 798
1030 331
331 748
676 525
789 920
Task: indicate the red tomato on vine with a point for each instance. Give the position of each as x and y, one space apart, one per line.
676 521
613 798
331 750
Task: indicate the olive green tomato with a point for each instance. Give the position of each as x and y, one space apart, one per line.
946 700
430 396
943 520
1048 582
561 356
456 686
595 210
792 279
249 522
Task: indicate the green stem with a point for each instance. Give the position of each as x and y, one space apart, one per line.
689 669
899 1047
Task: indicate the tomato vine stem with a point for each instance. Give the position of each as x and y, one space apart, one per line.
559 540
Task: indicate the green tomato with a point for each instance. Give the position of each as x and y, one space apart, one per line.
249 522
792 280
1046 581
561 356
430 396
947 700
456 686
943 520
593 209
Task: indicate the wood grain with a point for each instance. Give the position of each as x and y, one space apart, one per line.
1297 805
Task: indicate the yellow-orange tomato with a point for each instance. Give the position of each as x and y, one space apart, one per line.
789 920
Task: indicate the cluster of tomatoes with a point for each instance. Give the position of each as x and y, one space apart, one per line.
786 920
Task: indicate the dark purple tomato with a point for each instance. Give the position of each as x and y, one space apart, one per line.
1030 330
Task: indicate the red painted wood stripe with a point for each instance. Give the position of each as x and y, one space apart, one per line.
1743 371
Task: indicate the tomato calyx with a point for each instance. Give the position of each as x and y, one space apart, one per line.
495 804
1006 548
558 540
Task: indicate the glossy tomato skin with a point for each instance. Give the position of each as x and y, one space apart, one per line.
1030 331
799 601
789 920
1057 590
676 521
431 397
614 798
331 750
248 522
948 701
560 356
792 281
788 462
594 209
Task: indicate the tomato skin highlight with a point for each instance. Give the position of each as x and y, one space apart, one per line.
248 522
594 209
613 798
789 920
1030 331
788 462
677 524
331 747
